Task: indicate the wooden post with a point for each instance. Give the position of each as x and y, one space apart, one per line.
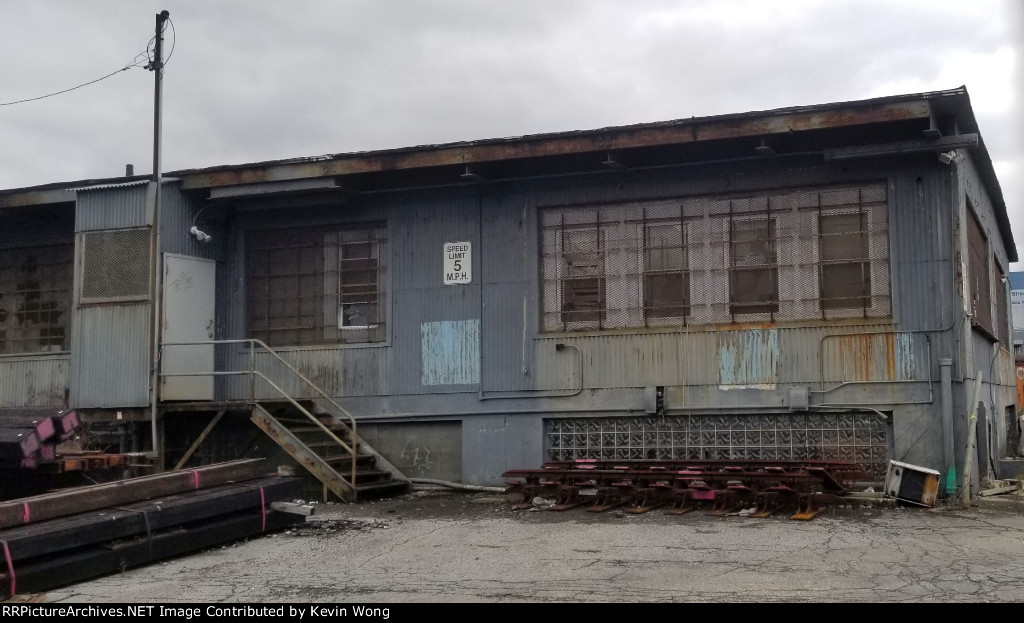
972 432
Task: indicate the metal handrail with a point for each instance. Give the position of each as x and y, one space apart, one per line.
252 389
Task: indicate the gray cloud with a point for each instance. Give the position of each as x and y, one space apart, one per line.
261 80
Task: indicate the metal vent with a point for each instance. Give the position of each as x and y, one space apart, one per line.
115 265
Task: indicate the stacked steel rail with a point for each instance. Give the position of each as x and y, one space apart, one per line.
685 486
29 437
71 535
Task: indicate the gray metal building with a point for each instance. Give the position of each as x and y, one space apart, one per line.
820 282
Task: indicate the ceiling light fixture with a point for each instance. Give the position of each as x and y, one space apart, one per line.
764 149
612 163
470 176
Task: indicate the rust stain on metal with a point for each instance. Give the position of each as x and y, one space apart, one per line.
875 357
745 326
492 150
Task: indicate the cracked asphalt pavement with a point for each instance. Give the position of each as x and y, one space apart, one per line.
451 546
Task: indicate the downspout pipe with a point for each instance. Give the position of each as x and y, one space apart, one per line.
946 388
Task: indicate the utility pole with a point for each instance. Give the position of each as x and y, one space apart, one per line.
156 265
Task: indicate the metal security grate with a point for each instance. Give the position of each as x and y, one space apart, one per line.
317 285
35 298
799 254
855 437
115 265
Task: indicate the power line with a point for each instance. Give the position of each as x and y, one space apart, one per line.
136 62
85 84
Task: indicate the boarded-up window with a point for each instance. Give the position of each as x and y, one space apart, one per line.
583 295
754 274
845 266
35 298
980 288
316 285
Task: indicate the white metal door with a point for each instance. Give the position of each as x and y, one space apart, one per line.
189 300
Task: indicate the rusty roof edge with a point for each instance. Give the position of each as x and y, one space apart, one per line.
456 152
927 96
987 172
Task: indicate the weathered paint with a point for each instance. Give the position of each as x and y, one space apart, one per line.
34 381
866 357
748 359
110 356
1020 388
450 352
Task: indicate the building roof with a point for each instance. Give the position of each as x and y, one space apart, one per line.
933 121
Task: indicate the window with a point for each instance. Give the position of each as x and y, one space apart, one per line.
784 255
977 262
666 276
583 295
35 296
754 274
316 285
844 270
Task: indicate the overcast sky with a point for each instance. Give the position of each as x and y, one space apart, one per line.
265 80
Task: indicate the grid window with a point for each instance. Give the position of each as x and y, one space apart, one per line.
583 293
666 283
845 268
754 274
35 296
316 286
784 255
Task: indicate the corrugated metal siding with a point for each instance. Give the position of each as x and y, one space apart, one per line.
420 222
176 216
921 245
748 358
113 208
344 372
628 360
450 352
883 357
34 381
506 347
110 356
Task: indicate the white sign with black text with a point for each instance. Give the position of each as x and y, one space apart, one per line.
458 266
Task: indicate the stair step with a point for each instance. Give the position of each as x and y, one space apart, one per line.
370 475
361 459
384 485
340 433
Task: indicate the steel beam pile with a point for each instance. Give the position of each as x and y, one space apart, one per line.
72 535
684 486
29 437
